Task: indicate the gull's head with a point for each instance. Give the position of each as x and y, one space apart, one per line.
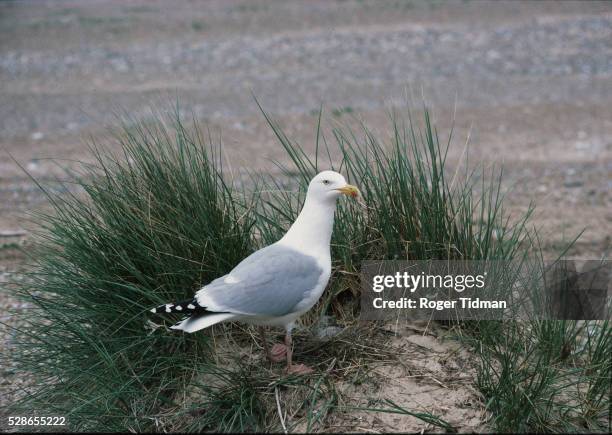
329 185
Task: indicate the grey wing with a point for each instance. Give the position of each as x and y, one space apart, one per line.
270 282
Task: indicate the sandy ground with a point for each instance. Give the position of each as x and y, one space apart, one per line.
530 82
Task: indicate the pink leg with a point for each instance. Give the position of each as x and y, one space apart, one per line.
297 369
277 353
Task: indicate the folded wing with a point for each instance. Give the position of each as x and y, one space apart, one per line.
269 283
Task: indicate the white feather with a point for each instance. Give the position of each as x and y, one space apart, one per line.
229 279
193 324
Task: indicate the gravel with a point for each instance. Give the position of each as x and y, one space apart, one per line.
539 60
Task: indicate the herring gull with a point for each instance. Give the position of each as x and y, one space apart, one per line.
277 284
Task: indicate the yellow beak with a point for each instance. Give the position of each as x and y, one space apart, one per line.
350 190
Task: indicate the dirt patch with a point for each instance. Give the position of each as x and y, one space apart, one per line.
432 375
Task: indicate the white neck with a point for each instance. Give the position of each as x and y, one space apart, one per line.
311 232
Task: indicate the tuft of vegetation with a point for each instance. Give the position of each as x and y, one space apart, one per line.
143 227
346 110
155 219
198 25
531 372
546 375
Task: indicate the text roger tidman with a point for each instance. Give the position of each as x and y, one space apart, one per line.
458 283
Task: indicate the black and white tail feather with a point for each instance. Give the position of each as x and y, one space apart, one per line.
187 306
198 316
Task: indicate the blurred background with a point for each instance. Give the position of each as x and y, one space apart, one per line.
532 81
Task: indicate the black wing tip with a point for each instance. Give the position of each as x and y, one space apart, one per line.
188 306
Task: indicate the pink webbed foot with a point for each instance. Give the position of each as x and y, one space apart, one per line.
278 353
298 369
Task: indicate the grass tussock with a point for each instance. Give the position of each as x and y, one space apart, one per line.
153 221
145 226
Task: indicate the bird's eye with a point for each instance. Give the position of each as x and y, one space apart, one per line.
326 182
